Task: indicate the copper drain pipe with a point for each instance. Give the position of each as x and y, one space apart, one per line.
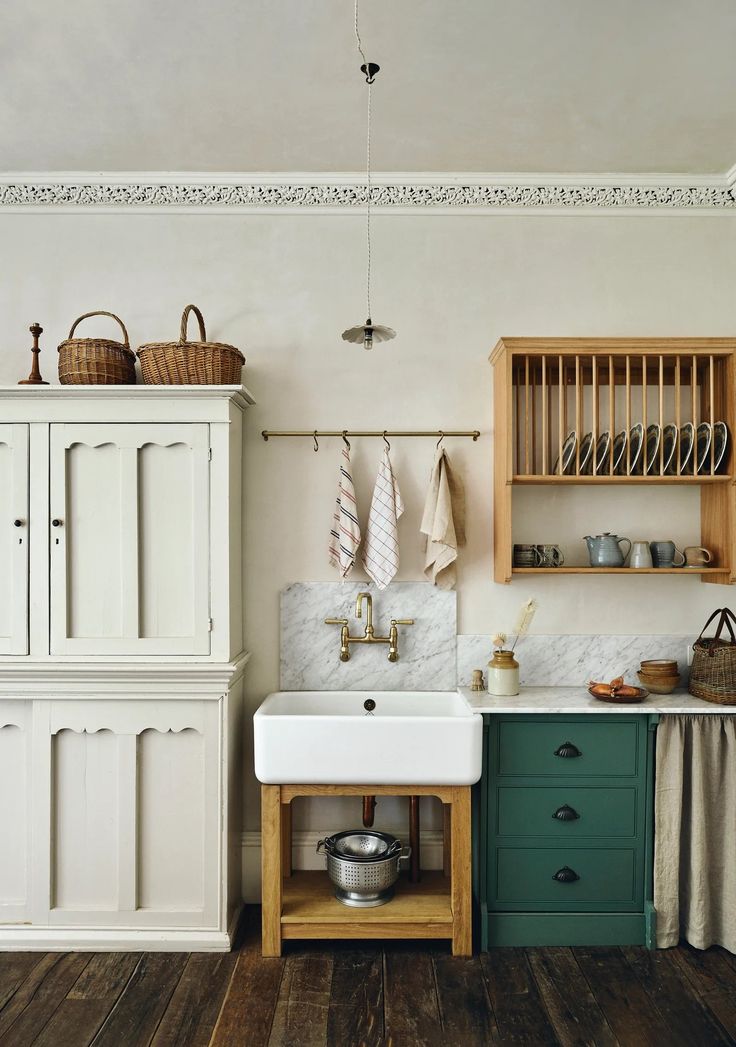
414 835
369 811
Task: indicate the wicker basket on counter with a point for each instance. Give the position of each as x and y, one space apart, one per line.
191 363
713 670
96 361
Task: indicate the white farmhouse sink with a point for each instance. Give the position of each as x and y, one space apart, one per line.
329 738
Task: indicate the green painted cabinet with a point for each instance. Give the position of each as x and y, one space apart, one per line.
563 833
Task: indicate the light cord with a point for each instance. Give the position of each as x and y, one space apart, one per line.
368 167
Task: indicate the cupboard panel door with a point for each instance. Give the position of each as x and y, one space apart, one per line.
15 810
14 468
130 543
135 813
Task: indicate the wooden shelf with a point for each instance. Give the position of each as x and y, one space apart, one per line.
622 570
582 481
545 390
417 910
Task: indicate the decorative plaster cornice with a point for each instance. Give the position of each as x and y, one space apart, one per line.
343 193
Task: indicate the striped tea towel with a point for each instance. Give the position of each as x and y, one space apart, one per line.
345 530
381 549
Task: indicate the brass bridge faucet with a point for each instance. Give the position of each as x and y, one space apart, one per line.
369 635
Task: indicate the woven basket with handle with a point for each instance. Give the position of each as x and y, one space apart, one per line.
96 361
713 672
191 363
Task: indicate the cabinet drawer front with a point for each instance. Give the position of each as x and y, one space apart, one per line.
572 748
563 812
604 876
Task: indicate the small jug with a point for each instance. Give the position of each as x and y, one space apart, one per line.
605 550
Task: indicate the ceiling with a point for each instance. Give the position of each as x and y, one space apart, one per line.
553 86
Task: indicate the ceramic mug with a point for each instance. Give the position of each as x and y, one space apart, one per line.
697 556
526 556
641 555
550 556
663 554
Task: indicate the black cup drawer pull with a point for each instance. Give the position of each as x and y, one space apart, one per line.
566 875
568 751
566 813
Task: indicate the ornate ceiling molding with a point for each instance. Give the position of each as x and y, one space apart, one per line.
405 193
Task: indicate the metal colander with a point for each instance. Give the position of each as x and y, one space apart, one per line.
363 865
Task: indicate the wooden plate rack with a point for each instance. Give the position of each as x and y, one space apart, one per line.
547 388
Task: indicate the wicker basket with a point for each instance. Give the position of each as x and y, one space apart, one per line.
96 361
191 363
713 672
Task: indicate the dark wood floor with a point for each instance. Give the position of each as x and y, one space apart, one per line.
393 995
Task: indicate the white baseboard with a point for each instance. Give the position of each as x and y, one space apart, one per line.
304 856
65 939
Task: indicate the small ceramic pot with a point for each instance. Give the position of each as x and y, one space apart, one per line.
503 674
550 556
640 555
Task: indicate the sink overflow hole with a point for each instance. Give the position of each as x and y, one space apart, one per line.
369 705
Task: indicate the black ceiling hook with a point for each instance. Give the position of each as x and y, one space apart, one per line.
385 440
439 442
370 69
345 438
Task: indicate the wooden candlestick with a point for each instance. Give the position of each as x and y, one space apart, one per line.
34 378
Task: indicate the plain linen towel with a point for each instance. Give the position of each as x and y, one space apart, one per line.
381 549
345 530
443 523
695 831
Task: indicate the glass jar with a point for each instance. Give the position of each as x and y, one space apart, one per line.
503 674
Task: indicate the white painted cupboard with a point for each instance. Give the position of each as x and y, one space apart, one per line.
121 664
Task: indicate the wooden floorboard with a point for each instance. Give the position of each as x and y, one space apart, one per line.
515 999
37 1005
85 1007
411 1009
138 1011
369 994
571 1008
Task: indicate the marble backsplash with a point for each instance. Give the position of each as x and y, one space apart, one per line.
573 660
310 650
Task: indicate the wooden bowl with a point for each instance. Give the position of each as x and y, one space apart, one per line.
620 699
659 684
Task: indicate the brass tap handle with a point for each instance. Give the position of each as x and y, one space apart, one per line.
336 621
402 621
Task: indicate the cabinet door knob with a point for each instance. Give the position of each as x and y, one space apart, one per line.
567 750
56 523
17 523
566 813
566 875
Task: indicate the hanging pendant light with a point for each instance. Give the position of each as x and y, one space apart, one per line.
367 333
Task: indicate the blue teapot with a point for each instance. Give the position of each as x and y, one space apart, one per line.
605 550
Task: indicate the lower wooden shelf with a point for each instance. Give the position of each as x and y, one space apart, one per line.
417 910
684 571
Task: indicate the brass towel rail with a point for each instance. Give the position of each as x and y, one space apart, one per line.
317 433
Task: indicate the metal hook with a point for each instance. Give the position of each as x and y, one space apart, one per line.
385 440
345 438
442 436
316 442
369 69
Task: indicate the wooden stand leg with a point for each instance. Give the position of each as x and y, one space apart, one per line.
271 870
446 837
286 838
461 874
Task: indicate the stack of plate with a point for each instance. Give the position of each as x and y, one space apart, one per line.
636 456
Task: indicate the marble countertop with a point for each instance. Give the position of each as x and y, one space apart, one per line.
577 700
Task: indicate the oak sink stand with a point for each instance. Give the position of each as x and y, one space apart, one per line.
301 905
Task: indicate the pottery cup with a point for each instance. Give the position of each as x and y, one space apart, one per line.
663 554
640 555
526 556
697 556
550 556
